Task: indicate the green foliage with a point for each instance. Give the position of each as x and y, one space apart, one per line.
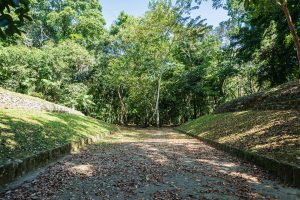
78 97
67 56
261 37
13 14
263 41
58 20
160 42
49 72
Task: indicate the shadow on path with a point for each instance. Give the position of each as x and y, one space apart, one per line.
152 164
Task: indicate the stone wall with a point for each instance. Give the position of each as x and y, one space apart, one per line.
284 97
11 100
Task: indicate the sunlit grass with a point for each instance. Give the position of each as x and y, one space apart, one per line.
25 132
274 134
135 135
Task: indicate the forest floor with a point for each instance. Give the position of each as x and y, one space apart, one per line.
271 133
152 164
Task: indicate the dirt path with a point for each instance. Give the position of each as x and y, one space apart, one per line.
151 164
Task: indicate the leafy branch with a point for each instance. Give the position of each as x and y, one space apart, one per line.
13 14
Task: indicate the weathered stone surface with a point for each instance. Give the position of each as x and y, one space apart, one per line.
11 100
285 97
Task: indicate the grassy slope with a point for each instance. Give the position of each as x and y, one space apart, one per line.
275 134
24 132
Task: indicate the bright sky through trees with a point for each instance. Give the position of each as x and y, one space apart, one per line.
112 8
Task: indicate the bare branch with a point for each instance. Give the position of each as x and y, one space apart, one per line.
278 2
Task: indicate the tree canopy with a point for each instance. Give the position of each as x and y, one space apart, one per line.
165 67
13 14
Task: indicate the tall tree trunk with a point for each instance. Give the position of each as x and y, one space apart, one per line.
284 7
123 107
158 96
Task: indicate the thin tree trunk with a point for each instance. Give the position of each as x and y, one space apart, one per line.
158 96
292 27
123 108
195 108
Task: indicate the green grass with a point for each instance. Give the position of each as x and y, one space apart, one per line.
26 132
275 134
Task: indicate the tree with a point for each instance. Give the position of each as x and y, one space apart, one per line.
163 15
147 55
283 4
58 20
284 7
263 42
8 24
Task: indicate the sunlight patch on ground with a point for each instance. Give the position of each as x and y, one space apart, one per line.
278 141
217 163
256 131
86 170
11 144
247 177
228 168
272 133
144 168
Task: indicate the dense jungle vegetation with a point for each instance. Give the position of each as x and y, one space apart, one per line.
166 67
